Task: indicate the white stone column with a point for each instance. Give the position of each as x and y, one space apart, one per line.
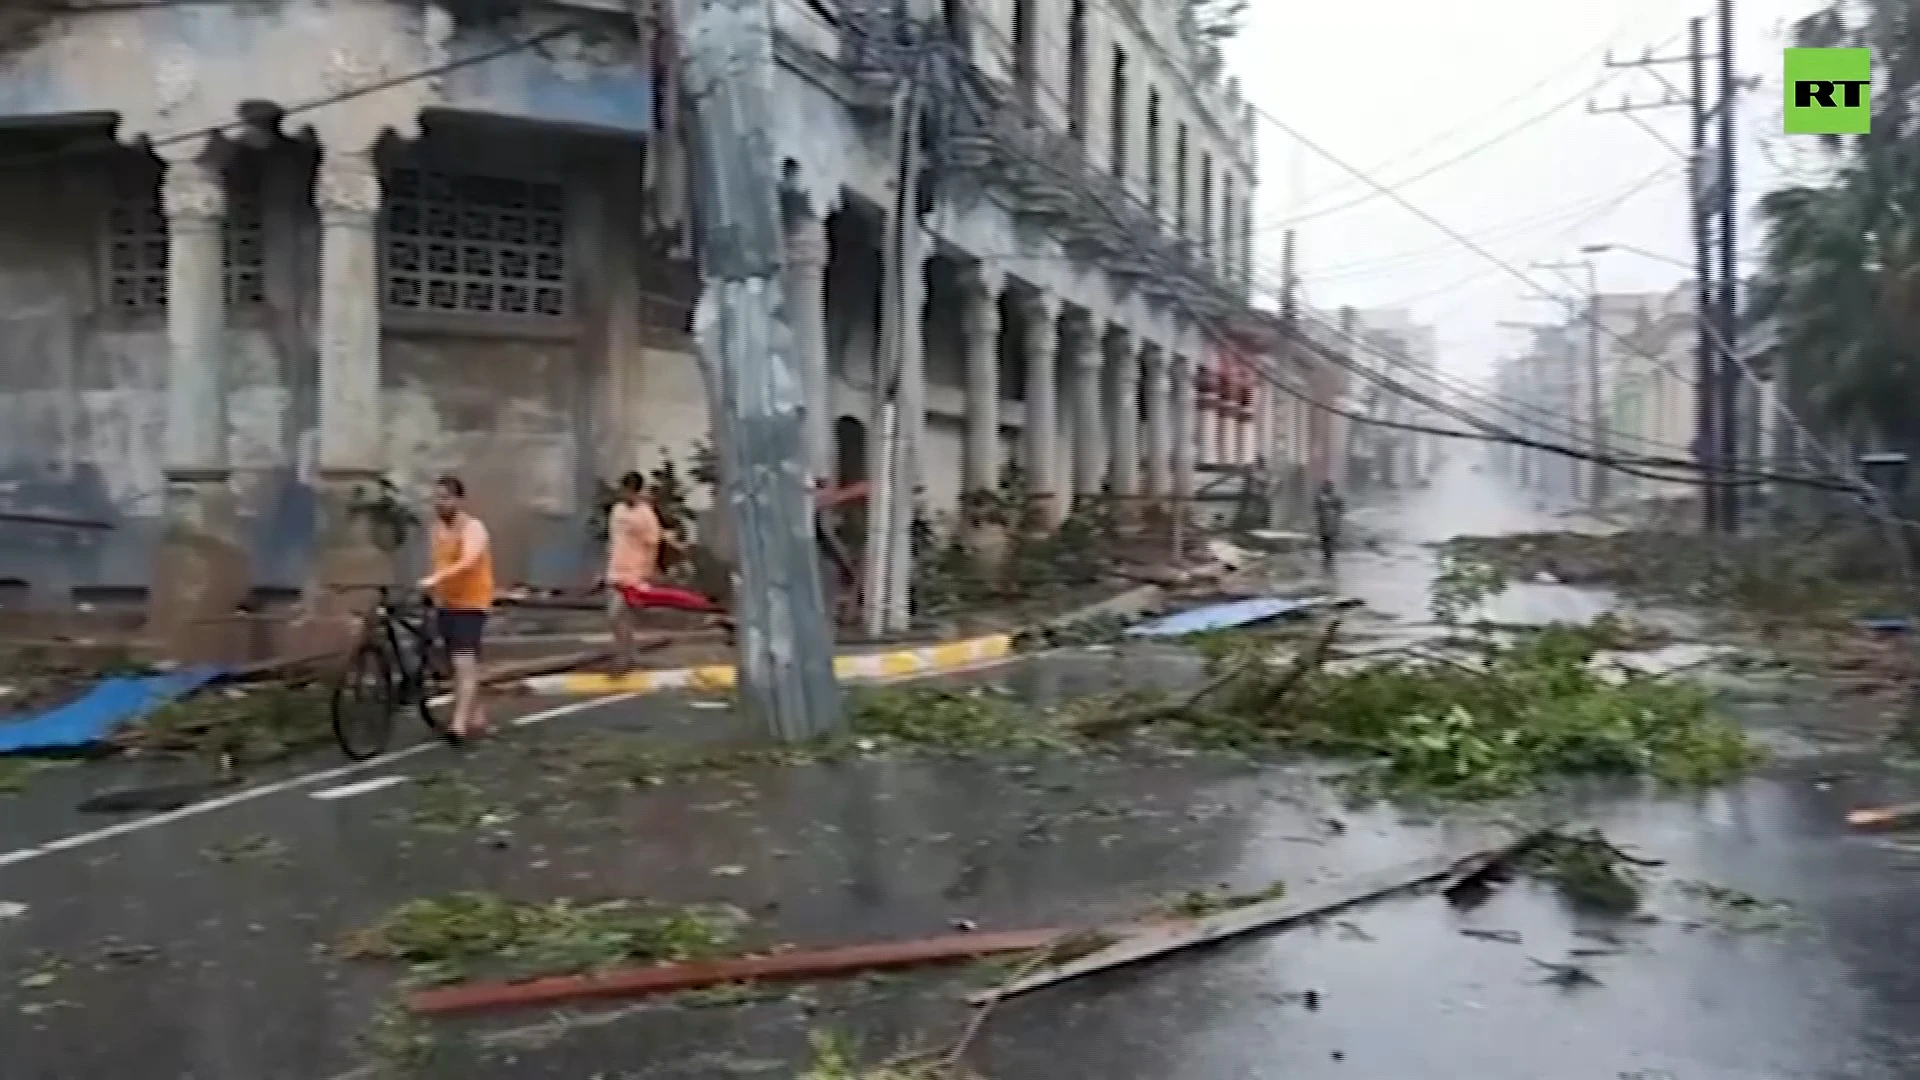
1159 391
1088 453
1204 425
981 325
1041 312
193 197
806 301
1123 373
1185 413
346 192
201 572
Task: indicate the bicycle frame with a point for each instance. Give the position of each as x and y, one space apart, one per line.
388 620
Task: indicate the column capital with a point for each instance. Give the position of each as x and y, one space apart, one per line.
806 241
1152 357
1039 305
193 189
1117 343
347 185
982 281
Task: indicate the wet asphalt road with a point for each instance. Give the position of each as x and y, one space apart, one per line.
198 947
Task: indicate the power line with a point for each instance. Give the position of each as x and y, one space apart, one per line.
1441 165
1579 207
1557 72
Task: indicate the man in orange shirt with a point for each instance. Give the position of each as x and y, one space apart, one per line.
462 589
633 559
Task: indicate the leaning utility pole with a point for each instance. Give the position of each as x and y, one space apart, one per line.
1727 386
747 358
899 396
1710 200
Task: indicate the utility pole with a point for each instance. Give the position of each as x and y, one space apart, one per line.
1710 200
1727 387
898 395
747 359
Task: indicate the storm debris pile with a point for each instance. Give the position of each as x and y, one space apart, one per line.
456 937
1588 870
1478 718
1815 575
247 726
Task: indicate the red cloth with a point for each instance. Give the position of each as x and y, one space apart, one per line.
665 596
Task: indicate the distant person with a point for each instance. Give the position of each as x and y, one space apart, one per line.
1328 509
462 589
633 561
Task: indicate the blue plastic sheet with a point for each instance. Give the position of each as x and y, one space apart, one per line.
1226 616
91 718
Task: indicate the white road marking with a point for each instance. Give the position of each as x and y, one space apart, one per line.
348 791
292 783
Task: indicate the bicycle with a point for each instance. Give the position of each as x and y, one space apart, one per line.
399 662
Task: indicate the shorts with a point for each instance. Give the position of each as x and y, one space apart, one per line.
462 630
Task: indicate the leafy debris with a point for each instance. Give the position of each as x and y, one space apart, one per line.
1590 872
950 721
241 726
447 802
835 1058
1566 976
15 772
1739 912
1200 903
1489 719
456 937
399 1043
255 847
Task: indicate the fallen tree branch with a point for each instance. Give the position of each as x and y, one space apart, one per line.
1305 664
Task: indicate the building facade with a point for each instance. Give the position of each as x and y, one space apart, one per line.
283 252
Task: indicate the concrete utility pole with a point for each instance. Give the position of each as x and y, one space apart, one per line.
899 393
1710 197
747 358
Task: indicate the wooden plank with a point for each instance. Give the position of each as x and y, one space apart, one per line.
672 978
1446 868
1884 816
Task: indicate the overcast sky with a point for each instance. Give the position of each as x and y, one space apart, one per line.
1398 87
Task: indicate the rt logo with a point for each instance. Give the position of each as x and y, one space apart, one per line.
1828 91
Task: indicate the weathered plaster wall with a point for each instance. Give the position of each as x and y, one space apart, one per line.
81 394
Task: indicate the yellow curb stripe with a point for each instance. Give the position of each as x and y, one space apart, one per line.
717 677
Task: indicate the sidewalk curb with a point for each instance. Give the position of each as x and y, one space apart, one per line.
952 656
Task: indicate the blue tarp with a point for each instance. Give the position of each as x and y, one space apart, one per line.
1224 616
93 717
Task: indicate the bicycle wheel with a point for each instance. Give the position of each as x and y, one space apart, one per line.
435 670
363 703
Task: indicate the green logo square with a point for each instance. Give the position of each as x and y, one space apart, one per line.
1828 91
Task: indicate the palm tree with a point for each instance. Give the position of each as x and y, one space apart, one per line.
1842 270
